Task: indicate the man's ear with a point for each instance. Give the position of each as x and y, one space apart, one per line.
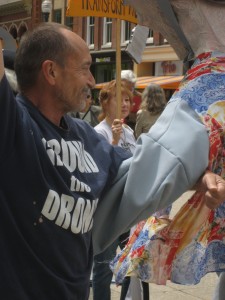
49 71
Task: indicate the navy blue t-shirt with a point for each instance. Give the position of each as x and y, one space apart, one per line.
51 182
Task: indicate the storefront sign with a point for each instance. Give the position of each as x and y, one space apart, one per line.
101 8
103 59
165 68
3 2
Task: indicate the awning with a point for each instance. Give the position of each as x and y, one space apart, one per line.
166 82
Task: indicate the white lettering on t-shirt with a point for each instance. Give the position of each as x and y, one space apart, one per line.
68 213
70 154
78 186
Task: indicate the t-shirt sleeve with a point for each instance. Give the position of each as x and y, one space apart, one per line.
167 162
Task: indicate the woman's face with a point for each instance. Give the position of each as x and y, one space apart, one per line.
111 109
125 105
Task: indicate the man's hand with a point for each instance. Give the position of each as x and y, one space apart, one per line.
214 188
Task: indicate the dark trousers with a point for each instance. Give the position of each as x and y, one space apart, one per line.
102 274
125 286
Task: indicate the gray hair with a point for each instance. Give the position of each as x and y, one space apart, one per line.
128 75
44 42
153 99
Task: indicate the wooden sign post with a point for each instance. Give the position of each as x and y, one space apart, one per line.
118 68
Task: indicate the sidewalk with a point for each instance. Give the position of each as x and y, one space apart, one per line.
202 291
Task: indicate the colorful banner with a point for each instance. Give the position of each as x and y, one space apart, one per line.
101 8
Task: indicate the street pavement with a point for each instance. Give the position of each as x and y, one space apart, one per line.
202 291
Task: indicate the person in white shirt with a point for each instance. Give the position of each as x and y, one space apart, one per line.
117 133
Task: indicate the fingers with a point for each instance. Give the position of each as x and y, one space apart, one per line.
117 126
116 131
117 122
209 181
215 190
211 202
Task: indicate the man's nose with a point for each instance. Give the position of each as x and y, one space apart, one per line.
91 81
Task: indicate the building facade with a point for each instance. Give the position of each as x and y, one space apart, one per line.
158 58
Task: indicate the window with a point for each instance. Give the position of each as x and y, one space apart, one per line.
150 37
107 32
57 16
69 22
90 31
125 32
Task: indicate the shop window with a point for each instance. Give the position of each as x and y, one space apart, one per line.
90 32
107 32
57 16
104 72
69 22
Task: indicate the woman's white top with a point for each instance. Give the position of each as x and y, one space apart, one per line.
127 139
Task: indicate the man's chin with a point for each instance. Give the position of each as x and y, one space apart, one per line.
82 106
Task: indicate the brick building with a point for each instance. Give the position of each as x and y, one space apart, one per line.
100 34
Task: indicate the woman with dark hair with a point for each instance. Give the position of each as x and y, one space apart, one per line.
153 103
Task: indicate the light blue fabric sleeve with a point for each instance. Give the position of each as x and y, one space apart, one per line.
167 162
